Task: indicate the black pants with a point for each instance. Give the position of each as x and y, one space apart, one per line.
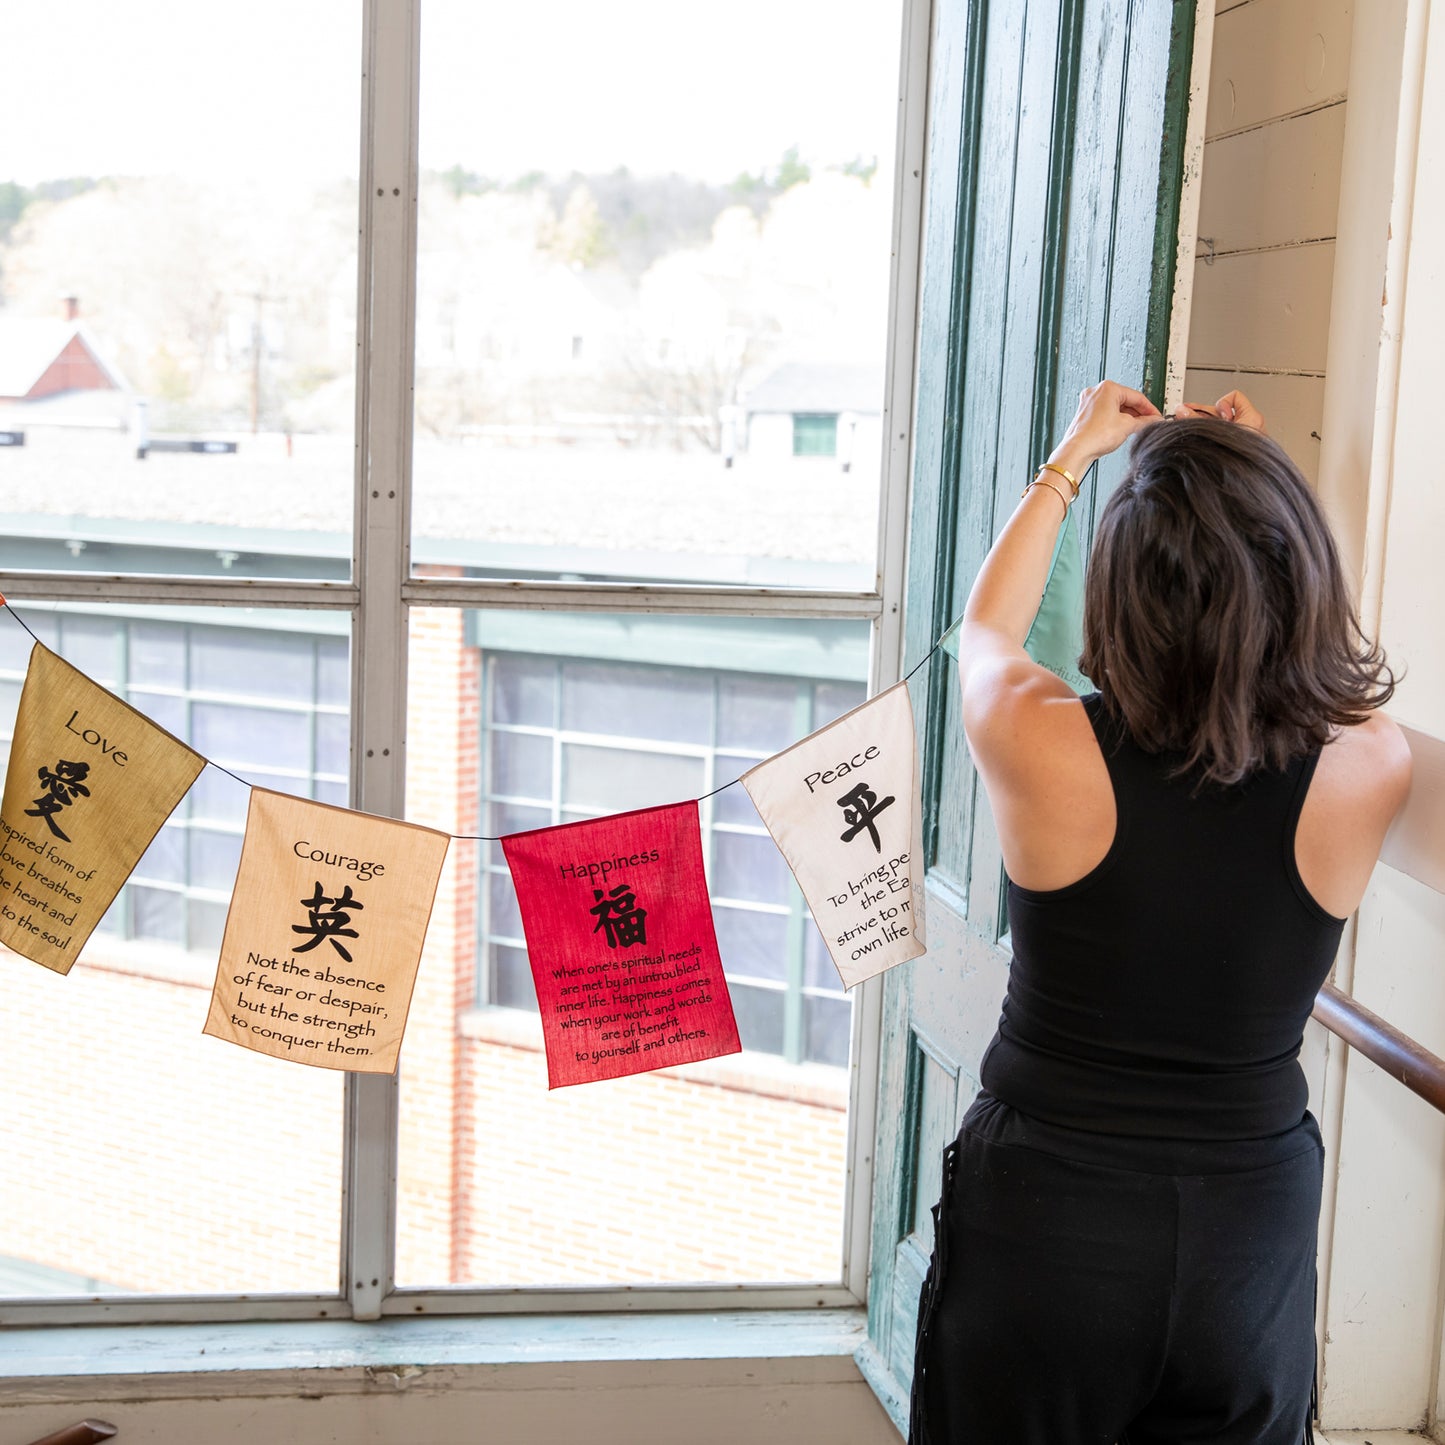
1078 1303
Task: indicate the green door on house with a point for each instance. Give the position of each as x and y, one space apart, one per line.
1056 132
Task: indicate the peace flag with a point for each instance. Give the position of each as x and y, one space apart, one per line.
324 934
620 937
842 806
89 784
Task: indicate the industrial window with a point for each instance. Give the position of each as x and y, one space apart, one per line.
815 434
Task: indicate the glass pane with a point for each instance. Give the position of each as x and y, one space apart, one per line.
759 713
759 1012
145 1107
647 341
749 866
16 642
827 1030
733 805
818 967
162 709
488 1153
524 690
617 779
333 743
333 672
179 285
272 665
93 645
832 700
752 943
252 737
522 765
157 655
637 701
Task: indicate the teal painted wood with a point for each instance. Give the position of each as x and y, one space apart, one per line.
1056 130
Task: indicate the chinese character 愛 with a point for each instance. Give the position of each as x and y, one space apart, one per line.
65 783
860 807
328 921
620 917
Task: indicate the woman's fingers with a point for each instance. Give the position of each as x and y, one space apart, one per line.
1236 406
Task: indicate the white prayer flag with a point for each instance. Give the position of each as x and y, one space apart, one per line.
843 808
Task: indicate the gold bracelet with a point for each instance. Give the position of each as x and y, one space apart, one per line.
1064 472
1045 482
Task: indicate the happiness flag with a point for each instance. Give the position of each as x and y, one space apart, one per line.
620 938
89 784
842 806
324 933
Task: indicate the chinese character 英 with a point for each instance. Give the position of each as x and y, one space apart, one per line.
860 807
65 783
620 917
328 921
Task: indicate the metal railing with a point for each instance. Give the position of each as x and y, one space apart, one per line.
1420 1071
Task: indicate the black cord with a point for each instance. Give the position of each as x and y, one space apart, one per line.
487 837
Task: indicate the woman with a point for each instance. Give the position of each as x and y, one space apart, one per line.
1125 1247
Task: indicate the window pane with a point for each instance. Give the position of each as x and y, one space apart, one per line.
827 1029
488 1161
148 1110
157 655
759 1012
333 672
759 713
832 700
253 664
733 805
333 743
749 866
15 642
522 765
616 780
649 344
93 645
819 970
630 702
252 737
524 690
752 943
163 710
179 282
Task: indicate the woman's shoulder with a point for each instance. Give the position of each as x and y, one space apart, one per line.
1366 765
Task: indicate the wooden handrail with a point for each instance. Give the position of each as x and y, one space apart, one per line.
87 1432
1420 1071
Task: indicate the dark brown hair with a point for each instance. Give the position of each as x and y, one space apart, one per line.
1216 619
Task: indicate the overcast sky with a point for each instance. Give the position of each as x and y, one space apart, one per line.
269 88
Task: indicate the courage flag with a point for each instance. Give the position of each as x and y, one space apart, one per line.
89 784
842 806
620 937
324 934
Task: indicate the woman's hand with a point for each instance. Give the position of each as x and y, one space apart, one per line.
1108 415
1234 406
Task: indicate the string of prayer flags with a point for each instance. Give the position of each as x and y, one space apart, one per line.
620 937
843 807
324 934
89 784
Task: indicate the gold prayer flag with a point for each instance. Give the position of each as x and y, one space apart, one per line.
324 934
90 783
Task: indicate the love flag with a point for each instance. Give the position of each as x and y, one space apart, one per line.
324 934
842 806
620 938
89 784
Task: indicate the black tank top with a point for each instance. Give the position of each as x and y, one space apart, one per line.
1164 995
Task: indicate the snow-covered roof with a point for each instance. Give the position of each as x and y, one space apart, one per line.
29 345
818 386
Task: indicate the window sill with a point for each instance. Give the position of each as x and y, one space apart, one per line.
749 1073
90 1365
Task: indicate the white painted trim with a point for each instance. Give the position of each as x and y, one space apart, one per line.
887 663
386 316
1192 177
175 591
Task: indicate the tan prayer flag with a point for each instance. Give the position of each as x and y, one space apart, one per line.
324 934
843 808
89 784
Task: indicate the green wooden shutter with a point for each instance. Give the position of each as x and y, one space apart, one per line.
1055 140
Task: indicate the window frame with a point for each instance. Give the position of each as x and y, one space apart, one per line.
378 598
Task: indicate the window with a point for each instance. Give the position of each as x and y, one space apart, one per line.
815 435
522 562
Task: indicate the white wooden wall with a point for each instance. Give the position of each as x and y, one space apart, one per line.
1319 289
1274 133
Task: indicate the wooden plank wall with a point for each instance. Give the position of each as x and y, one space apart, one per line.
1269 198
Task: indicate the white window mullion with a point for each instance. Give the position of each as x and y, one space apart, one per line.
386 304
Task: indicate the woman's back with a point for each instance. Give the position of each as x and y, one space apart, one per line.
1164 993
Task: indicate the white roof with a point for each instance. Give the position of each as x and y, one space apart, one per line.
29 344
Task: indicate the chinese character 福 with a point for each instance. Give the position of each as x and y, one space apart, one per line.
618 914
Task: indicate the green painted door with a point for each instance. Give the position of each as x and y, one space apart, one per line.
1055 138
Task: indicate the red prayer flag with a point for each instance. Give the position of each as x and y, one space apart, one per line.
620 938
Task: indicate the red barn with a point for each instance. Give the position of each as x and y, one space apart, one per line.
41 357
